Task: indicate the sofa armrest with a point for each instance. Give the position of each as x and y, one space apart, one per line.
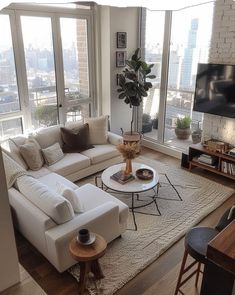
114 139
103 220
30 220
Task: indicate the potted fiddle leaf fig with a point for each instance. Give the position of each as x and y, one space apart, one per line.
182 129
134 83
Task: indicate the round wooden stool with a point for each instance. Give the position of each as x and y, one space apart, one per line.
88 256
196 241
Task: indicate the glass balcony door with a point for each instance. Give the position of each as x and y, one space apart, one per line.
153 55
40 70
75 55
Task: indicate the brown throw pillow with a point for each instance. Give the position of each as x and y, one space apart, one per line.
76 140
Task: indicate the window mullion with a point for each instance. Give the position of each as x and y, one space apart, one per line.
18 46
91 63
59 68
164 75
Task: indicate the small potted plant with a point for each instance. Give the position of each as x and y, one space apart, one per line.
155 121
182 129
147 123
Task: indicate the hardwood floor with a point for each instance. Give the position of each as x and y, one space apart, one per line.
157 279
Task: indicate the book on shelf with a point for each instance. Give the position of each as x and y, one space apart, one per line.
228 168
196 159
207 159
121 178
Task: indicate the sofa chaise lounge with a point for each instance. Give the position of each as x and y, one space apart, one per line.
102 213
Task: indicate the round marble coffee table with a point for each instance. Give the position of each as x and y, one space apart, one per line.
134 187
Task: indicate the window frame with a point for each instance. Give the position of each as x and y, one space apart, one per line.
159 143
15 11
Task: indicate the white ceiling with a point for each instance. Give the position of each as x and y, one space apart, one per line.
151 4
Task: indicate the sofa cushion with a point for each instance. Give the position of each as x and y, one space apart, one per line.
52 179
12 150
70 195
39 173
98 129
71 163
101 153
87 192
52 154
48 136
31 152
75 140
19 140
50 202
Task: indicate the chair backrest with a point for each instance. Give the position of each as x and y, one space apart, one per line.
228 216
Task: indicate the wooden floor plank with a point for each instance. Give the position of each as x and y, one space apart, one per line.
157 279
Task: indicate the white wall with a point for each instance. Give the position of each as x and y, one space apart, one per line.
9 269
115 20
222 50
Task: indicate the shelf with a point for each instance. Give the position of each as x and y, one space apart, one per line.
196 150
199 147
207 167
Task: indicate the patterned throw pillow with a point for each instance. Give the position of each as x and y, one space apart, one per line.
52 154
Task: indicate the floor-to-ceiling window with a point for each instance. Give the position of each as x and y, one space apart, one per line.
188 44
10 109
46 74
153 54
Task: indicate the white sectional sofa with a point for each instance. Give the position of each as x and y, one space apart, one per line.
102 213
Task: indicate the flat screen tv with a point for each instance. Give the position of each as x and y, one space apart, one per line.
215 90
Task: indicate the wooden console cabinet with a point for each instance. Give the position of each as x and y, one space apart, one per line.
198 149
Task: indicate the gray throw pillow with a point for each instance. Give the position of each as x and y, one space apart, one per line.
31 153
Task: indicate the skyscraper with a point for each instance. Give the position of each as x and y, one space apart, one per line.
186 68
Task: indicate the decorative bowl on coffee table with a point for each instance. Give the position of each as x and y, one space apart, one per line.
144 174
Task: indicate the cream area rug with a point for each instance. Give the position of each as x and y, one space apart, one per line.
129 255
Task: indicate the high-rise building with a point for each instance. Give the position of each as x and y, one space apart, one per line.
189 52
174 65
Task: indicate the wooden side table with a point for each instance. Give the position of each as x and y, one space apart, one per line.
88 256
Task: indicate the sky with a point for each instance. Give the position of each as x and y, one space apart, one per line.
37 30
180 20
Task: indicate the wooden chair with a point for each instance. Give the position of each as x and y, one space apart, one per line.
196 241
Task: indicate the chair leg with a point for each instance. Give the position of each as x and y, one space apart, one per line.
181 272
198 272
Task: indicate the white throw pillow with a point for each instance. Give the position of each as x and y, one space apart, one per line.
52 154
51 203
12 170
31 152
98 129
71 196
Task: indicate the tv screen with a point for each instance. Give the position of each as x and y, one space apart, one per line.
215 90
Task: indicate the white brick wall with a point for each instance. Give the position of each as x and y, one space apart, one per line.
222 51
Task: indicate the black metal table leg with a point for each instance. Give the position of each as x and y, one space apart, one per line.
132 210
